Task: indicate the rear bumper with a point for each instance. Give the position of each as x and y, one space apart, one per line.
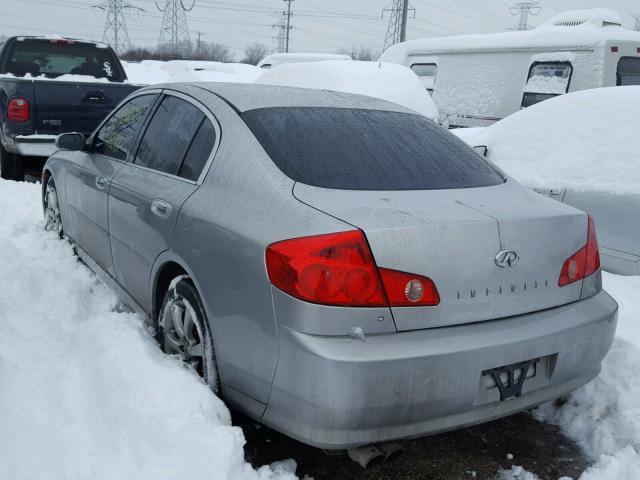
336 392
33 145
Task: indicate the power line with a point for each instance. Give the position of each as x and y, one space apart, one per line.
115 26
397 29
174 32
524 9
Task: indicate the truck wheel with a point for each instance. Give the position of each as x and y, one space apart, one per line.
12 166
184 330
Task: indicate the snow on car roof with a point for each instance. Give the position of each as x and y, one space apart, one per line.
586 141
278 58
570 30
388 81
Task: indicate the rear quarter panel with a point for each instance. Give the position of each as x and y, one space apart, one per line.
244 204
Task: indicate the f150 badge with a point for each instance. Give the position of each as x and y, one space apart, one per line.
52 123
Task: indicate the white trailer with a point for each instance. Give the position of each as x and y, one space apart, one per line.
476 80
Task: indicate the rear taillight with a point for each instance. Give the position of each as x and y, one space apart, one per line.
18 110
338 269
585 262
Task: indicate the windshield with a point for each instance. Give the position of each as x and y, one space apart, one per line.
53 58
350 149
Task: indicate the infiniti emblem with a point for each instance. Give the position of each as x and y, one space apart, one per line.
506 258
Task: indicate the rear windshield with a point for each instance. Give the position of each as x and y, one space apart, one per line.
53 58
350 149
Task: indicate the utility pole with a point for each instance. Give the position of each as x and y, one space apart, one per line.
174 33
281 37
524 9
288 27
115 27
405 13
199 44
636 16
398 15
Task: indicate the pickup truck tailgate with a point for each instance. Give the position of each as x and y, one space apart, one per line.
74 107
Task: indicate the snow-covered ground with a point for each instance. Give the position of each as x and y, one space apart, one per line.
85 392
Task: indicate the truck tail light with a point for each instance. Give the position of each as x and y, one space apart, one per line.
18 110
338 269
584 263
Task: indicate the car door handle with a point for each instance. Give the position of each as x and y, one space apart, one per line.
161 208
101 183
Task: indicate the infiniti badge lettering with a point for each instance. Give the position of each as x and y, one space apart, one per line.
506 258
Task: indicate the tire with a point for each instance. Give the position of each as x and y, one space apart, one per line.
52 216
191 340
12 166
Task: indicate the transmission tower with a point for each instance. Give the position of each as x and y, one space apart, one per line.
637 18
115 26
524 9
174 33
397 29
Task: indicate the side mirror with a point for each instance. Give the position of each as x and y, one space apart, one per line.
482 150
73 142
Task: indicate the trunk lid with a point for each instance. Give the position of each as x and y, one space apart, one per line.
453 237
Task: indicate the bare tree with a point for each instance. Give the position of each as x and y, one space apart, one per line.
363 54
211 51
254 53
215 52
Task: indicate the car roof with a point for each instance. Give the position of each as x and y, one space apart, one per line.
249 96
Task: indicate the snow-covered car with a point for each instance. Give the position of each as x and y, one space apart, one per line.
281 58
582 149
388 81
338 267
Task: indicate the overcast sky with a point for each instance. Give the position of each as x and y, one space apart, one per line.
319 25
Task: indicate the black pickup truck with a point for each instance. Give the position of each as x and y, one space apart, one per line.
49 86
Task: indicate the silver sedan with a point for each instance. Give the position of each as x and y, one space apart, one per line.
335 266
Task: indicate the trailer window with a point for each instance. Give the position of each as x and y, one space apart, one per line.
546 80
628 71
427 73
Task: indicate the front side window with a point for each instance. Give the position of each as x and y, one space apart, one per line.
115 138
53 58
169 135
427 73
353 149
628 71
546 80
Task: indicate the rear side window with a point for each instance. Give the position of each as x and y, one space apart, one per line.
115 138
53 58
546 80
199 151
351 149
169 135
628 71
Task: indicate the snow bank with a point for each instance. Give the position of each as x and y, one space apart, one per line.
391 82
604 416
151 72
586 141
84 390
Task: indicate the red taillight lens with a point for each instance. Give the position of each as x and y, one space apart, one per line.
18 110
338 269
585 262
